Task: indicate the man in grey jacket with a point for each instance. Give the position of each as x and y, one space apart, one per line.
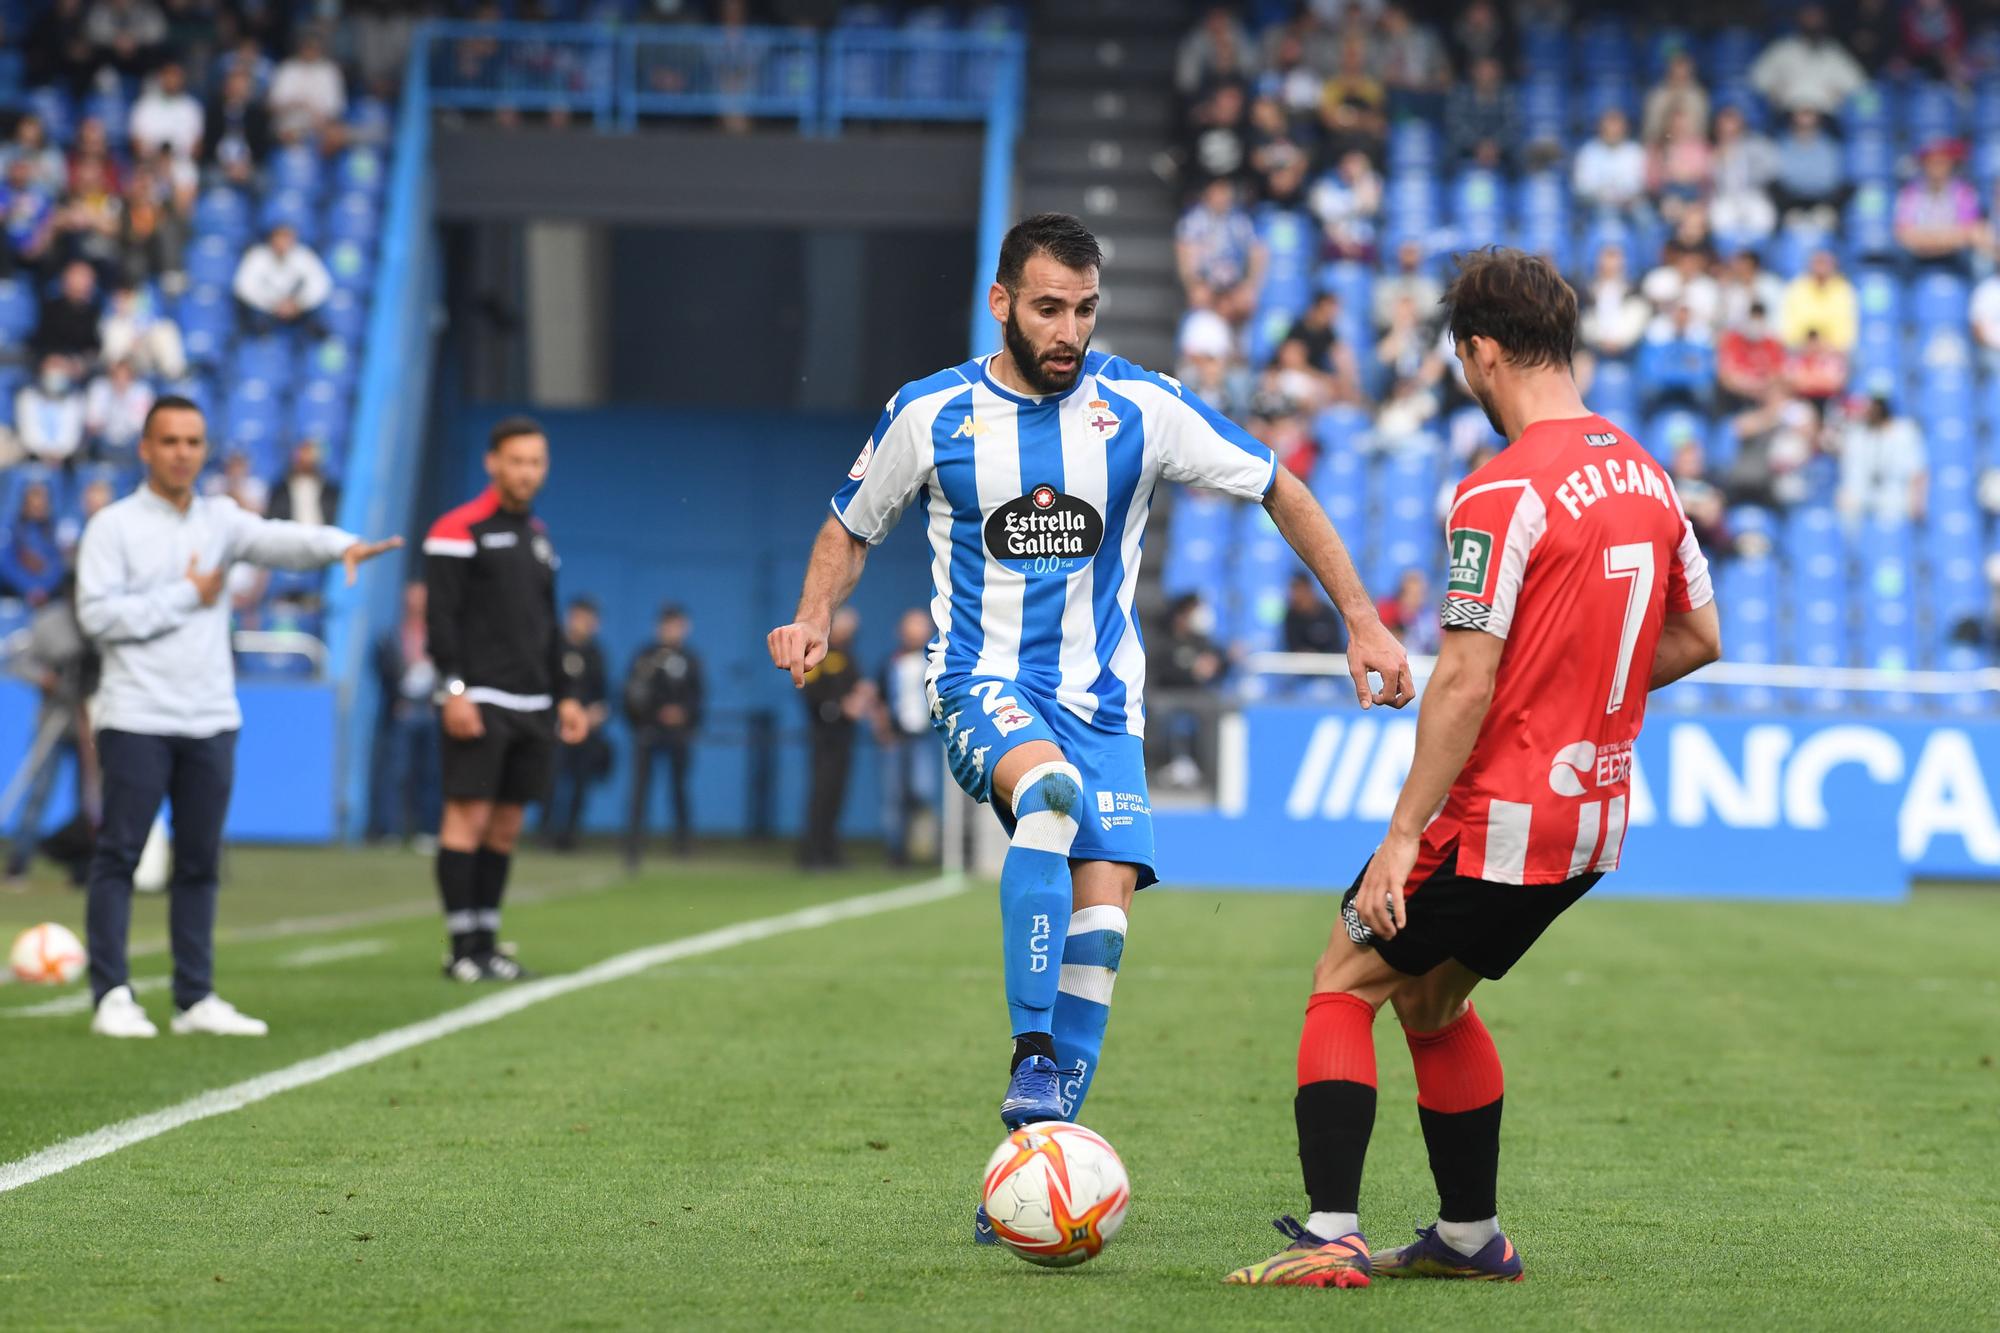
150 577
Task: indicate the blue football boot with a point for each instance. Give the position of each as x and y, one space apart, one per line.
1033 1094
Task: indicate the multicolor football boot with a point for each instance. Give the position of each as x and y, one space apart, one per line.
1433 1256
1309 1261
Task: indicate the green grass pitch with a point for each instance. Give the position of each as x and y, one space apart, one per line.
1718 1116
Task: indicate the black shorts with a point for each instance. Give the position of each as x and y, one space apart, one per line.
1485 925
511 764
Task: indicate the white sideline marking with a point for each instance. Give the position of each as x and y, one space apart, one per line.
332 953
77 1002
98 1143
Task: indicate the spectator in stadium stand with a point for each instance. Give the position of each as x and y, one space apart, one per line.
1219 255
1278 157
1682 278
247 56
1219 135
1740 211
31 557
1937 215
1609 175
1811 181
1821 299
127 35
114 412
1318 330
1347 200
47 171
1353 104
405 799
48 413
1311 624
28 212
1744 282
1412 63
1706 509
1748 360
150 577
1614 314
1807 69
1678 93
1680 166
1209 364
1216 50
239 483
1985 317
1482 118
1289 78
666 694
1479 32
1883 471
836 695
903 730
1411 614
1295 380
1816 372
281 284
1403 421
132 330
1190 668
1408 348
1774 442
67 326
1677 363
87 225
303 494
1284 432
60 664
308 95
1934 39
238 129
97 493
166 113
152 233
1407 279
584 764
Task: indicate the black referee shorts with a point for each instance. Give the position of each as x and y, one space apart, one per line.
1483 924
512 764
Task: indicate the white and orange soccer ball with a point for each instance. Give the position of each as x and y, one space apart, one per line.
1056 1193
47 955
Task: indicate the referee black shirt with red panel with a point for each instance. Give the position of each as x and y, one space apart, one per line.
491 574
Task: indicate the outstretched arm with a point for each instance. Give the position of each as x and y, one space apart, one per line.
1370 646
831 575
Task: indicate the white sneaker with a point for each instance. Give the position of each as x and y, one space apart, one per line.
119 1015
215 1015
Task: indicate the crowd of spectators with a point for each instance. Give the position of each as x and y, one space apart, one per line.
1671 212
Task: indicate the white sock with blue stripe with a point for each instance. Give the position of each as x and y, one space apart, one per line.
1035 891
1091 952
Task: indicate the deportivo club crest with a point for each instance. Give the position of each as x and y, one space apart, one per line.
1097 415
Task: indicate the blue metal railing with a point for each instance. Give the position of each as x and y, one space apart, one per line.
616 75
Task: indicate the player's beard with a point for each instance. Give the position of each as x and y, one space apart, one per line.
1029 361
1484 397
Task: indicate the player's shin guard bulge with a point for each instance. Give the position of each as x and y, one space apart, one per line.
1035 892
1091 954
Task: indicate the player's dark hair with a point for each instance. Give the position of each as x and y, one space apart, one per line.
671 611
1060 236
510 428
583 602
170 402
1516 299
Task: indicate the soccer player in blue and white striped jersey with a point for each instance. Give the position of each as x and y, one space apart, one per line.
1034 469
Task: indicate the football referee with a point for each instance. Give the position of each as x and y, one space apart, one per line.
497 643
151 578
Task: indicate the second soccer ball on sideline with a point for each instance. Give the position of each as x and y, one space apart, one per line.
47 955
1056 1193
156 862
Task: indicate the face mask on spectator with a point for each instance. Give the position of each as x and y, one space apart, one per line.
54 382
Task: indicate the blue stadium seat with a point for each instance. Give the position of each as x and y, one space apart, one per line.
319 412
1602 94
1545 51
110 107
1931 111
1604 50
1722 444
1878 294
351 263
362 171
1939 298
268 359
1340 483
1544 105
206 318
1871 157
1871 222
1413 147
1731 53
370 120
222 211
296 168
346 314
1875 108
1667 431
1197 542
17 314
353 217
291 208
1479 205
331 359
1613 391
211 261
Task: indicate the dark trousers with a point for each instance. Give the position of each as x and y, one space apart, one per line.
648 747
578 768
832 756
406 794
194 774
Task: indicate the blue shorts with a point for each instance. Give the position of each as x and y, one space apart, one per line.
981 718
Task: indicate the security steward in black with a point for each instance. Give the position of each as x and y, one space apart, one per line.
663 702
582 766
835 694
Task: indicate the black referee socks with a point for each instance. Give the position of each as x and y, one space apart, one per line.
456 876
489 886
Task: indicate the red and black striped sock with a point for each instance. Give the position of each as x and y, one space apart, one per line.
1458 1100
1335 1104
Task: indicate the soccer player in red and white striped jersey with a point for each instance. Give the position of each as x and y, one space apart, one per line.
1576 586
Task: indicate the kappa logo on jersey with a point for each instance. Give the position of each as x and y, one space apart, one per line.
1103 422
1044 532
969 429
861 461
979 760
1172 383
1471 552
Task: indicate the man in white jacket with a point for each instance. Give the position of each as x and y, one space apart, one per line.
150 578
281 283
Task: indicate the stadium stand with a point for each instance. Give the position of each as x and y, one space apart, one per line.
1868 275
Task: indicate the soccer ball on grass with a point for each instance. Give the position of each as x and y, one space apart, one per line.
1055 1193
47 955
